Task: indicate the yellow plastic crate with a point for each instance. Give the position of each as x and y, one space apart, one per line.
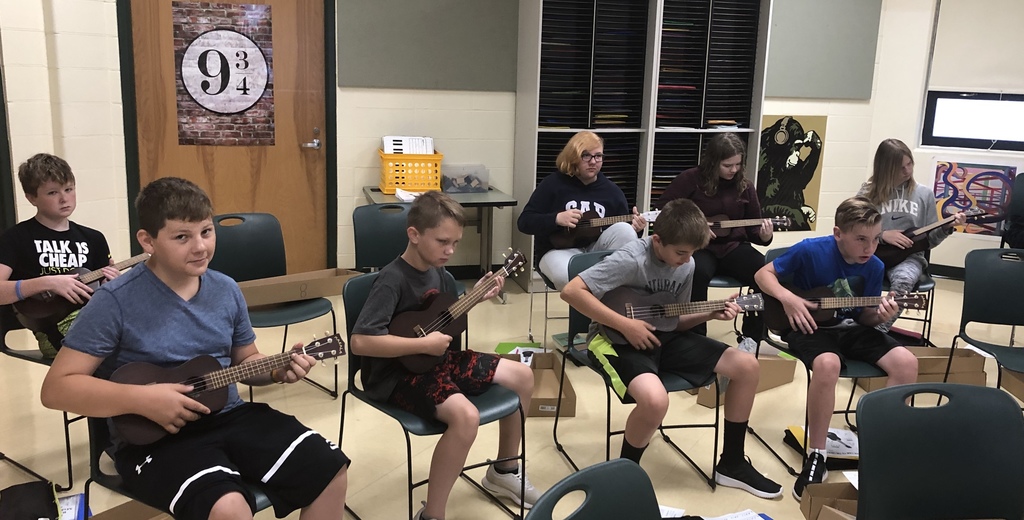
411 172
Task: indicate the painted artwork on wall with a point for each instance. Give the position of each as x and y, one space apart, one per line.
963 186
225 76
789 168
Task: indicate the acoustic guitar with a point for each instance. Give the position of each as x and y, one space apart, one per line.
891 255
445 313
827 303
209 381
44 309
662 309
720 226
588 228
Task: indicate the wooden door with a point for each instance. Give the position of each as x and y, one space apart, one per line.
192 124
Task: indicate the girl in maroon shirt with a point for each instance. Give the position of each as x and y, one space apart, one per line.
720 189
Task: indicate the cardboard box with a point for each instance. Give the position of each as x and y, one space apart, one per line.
831 513
1013 382
294 287
547 370
775 371
132 510
968 368
841 496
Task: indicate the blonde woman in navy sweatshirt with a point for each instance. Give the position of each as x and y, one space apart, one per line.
560 201
904 204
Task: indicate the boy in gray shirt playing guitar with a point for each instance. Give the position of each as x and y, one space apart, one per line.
171 310
438 390
663 263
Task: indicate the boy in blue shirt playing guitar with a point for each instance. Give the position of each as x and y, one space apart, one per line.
168 311
846 265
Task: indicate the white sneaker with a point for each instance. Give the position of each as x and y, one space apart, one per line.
509 485
671 512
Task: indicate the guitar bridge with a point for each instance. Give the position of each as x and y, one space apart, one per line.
419 331
629 311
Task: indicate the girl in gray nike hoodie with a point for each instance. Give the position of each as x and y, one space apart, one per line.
904 204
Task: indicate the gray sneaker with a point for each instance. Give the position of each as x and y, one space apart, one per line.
509 485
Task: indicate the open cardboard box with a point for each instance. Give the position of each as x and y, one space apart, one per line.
840 495
1013 382
294 287
968 368
547 369
132 510
775 371
831 513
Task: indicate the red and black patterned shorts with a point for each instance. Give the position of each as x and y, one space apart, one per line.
461 372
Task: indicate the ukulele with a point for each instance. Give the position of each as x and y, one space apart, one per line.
445 313
209 381
588 228
662 309
720 226
891 255
827 303
39 310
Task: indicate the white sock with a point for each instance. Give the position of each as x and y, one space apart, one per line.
822 451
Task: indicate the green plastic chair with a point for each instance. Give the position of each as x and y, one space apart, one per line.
615 490
578 323
495 403
9 322
993 278
963 459
250 246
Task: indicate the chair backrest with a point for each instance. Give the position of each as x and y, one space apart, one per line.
963 459
578 323
993 278
774 253
615 489
353 296
249 246
379 233
1016 206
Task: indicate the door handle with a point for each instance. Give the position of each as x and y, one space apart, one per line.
315 144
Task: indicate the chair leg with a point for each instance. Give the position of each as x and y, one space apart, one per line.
333 392
67 451
529 327
558 412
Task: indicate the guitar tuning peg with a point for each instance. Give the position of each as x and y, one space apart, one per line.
327 334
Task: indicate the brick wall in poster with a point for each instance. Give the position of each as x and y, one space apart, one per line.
197 125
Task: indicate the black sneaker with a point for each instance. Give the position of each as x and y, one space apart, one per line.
742 475
814 472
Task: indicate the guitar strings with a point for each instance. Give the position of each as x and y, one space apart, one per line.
462 305
678 309
225 376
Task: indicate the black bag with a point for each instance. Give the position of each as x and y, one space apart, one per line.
29 501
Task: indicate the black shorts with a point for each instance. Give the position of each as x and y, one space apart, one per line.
686 354
860 343
188 472
461 372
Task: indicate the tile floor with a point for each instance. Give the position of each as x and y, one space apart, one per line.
31 434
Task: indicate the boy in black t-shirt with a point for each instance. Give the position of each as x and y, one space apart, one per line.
435 228
50 244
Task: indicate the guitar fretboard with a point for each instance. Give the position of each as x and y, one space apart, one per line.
605 221
849 301
747 222
230 375
675 309
466 302
92 276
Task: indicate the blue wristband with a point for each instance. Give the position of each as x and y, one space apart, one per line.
17 290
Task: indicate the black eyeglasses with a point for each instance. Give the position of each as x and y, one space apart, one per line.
586 157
